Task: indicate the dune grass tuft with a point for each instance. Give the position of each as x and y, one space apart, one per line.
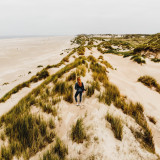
107 64
90 89
81 70
60 149
149 82
26 132
81 50
58 152
69 95
78 133
109 95
71 77
116 125
152 119
138 59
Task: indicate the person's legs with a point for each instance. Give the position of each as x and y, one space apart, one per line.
76 94
80 97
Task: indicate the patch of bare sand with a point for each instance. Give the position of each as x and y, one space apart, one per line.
18 56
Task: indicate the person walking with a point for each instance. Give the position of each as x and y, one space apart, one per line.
79 87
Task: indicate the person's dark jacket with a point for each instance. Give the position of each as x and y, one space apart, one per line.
78 88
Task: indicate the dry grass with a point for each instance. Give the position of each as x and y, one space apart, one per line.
71 77
116 125
90 89
81 70
109 95
78 133
26 133
152 119
149 82
58 152
107 64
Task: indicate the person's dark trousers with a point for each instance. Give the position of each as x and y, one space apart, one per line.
80 95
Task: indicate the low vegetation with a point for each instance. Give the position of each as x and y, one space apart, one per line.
81 50
108 65
78 133
90 89
149 82
39 76
138 59
116 125
152 119
155 60
71 77
152 44
136 111
58 152
64 89
81 70
27 135
109 95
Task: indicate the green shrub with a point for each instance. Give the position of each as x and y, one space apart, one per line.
116 125
127 54
78 133
34 79
90 42
55 101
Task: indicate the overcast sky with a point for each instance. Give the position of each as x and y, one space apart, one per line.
70 17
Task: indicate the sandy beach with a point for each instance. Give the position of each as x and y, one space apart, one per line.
18 56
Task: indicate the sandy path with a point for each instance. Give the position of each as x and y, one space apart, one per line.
18 56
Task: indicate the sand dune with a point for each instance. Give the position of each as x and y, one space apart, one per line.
102 144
